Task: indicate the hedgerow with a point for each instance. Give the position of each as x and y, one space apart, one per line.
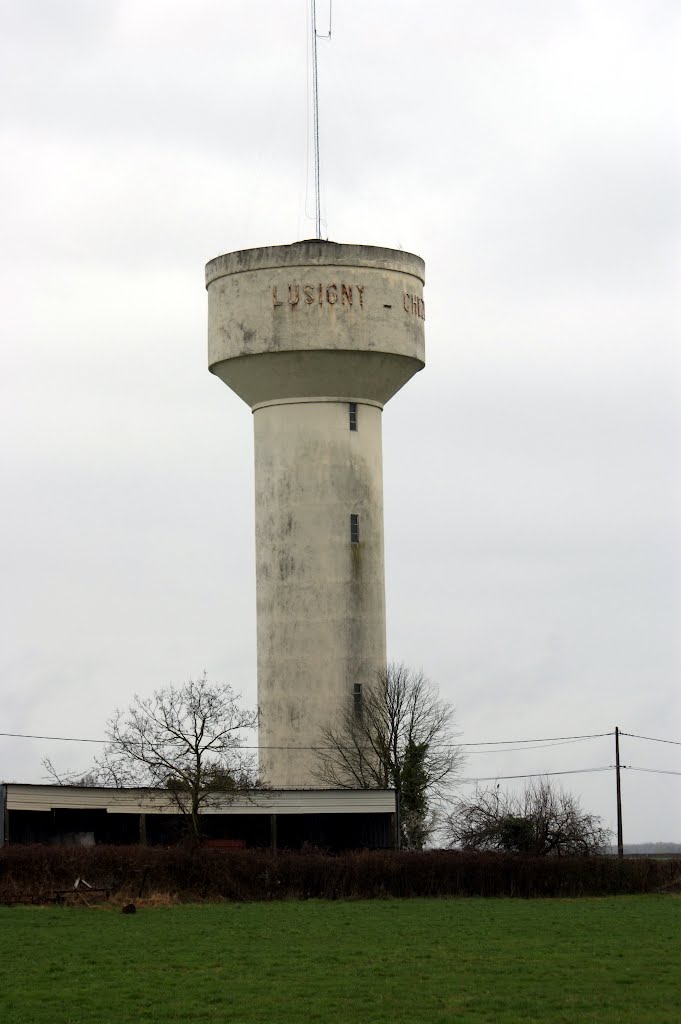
38 873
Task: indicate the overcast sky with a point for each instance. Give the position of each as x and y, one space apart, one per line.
529 152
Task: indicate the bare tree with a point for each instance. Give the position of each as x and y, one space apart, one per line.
396 732
542 819
90 777
186 739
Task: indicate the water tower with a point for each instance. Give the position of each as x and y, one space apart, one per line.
315 337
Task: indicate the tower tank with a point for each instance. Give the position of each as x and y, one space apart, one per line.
315 337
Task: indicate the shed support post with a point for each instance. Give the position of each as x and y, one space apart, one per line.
143 830
273 832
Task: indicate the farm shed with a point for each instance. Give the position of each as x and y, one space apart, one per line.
334 819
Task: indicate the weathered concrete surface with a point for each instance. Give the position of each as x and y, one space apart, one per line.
300 332
322 318
321 599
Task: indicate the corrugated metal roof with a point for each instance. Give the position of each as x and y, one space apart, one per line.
30 797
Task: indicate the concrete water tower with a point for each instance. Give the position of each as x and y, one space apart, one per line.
315 337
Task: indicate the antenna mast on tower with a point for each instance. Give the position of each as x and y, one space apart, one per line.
315 104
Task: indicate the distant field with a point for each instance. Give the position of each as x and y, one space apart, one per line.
409 961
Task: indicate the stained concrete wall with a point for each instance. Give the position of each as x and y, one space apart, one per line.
321 599
315 319
300 332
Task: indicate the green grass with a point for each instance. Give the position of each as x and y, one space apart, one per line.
496 960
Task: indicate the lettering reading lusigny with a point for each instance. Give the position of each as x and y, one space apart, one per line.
414 305
320 294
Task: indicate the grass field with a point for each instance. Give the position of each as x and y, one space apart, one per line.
496 960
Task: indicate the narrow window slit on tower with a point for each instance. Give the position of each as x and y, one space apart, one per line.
357 699
353 415
354 529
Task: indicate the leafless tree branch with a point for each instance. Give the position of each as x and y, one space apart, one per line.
185 739
542 819
400 735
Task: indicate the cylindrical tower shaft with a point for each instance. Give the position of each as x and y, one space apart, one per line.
316 337
320 575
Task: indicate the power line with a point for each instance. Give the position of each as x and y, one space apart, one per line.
64 739
501 778
537 746
546 741
539 775
506 746
652 739
539 739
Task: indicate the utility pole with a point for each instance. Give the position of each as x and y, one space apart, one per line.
620 842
